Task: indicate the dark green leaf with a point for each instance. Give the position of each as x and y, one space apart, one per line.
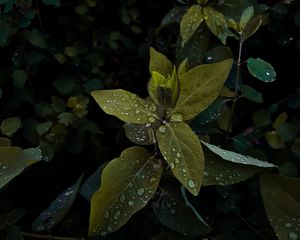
36 39
11 217
261 69
218 54
127 184
19 76
57 210
10 125
287 131
261 118
174 15
6 32
251 94
55 3
183 152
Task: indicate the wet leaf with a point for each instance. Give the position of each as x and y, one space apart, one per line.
183 152
57 210
282 204
6 31
174 15
11 217
10 125
251 94
13 160
125 105
190 22
261 69
218 54
172 211
220 172
127 184
237 158
200 86
159 63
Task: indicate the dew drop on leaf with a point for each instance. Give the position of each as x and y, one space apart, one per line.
191 184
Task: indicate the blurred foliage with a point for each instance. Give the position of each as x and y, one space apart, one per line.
54 53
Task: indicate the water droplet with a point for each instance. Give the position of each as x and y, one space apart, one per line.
183 170
130 203
151 119
268 74
173 211
288 225
140 191
162 129
137 111
117 215
106 215
172 165
152 180
122 198
178 154
148 125
109 229
103 233
177 160
152 108
130 185
293 235
191 183
206 174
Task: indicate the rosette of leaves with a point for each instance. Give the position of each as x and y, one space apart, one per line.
176 96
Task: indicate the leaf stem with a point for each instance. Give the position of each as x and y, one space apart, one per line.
40 236
236 88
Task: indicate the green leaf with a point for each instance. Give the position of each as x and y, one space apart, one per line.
237 158
216 22
190 22
274 139
220 172
246 16
160 63
55 3
282 204
36 39
125 105
42 128
174 15
13 160
172 211
64 85
19 76
261 69
200 86
218 54
252 26
57 210
127 184
6 32
251 94
11 217
261 118
287 131
10 125
183 152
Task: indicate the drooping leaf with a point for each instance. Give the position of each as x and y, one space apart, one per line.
159 63
238 158
10 125
183 152
221 172
13 160
125 105
282 204
261 69
200 86
57 210
172 211
127 184
190 22
216 22
251 94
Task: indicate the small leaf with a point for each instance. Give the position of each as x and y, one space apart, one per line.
218 54
261 69
261 118
125 105
57 210
282 204
238 158
274 139
251 94
252 26
6 32
174 15
19 76
220 172
55 3
42 128
281 119
183 152
64 86
287 131
246 16
200 86
127 184
36 39
10 125
159 63
190 22
11 217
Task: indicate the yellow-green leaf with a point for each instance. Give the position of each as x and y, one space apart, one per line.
200 86
252 26
281 197
246 16
183 152
159 63
190 22
127 184
10 125
125 105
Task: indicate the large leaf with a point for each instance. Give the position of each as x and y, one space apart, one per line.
237 158
159 63
281 199
183 152
190 22
261 69
125 105
57 210
13 160
200 86
127 184
173 212
174 15
222 172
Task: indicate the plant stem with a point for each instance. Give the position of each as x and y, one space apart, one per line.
236 89
40 236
